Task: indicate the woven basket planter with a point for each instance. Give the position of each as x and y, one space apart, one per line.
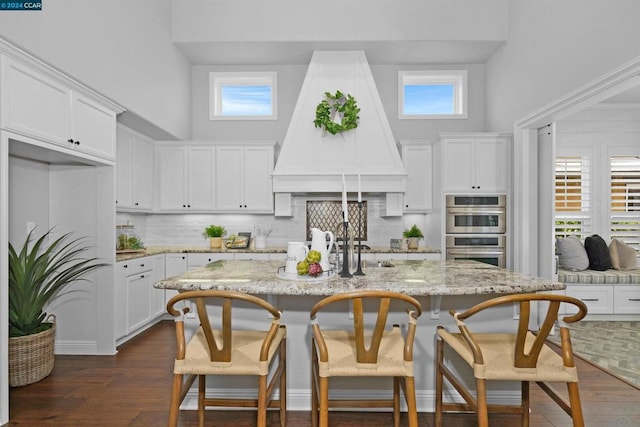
31 357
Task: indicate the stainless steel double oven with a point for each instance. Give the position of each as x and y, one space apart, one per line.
476 228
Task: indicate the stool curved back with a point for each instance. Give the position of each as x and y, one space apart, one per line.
354 351
513 356
227 351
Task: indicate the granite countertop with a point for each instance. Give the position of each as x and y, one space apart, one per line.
408 277
155 250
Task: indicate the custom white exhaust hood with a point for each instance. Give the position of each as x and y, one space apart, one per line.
312 161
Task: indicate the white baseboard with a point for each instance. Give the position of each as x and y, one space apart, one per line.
300 399
76 347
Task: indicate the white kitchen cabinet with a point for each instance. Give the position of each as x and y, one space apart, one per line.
134 171
43 105
243 178
475 162
186 178
174 265
158 298
138 303
417 157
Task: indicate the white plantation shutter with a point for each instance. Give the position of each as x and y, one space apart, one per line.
625 199
572 197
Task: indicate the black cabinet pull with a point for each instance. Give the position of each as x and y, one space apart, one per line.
184 206
142 276
136 203
125 266
188 206
70 140
77 142
141 265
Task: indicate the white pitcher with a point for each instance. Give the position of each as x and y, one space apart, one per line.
319 243
296 252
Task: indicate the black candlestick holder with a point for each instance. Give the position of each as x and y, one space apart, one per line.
345 252
359 271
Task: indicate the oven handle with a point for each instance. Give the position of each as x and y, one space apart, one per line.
475 211
472 252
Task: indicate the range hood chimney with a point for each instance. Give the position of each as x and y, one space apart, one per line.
313 161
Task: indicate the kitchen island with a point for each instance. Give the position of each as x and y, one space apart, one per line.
438 285
437 278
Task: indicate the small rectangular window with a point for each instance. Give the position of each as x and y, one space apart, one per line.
243 96
433 94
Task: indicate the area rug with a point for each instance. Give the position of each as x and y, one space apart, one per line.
613 346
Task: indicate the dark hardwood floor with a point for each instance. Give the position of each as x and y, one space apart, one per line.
132 388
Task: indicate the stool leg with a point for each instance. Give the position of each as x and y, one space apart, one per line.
201 392
314 385
324 402
439 381
525 404
576 407
396 401
283 383
175 400
483 412
262 401
412 411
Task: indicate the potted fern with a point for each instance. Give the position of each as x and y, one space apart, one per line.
37 273
413 235
214 233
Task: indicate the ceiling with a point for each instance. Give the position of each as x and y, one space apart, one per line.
377 52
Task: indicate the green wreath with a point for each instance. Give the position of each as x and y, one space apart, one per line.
333 104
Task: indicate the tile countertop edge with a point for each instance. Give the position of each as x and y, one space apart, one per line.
156 250
417 278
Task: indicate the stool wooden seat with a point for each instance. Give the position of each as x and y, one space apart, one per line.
361 352
521 356
228 351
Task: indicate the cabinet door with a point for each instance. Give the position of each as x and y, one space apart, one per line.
457 165
124 169
491 164
34 104
93 127
200 173
258 187
174 265
138 302
157 296
142 172
121 299
418 164
172 176
229 178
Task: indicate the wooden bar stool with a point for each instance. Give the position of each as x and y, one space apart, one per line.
521 356
228 351
362 352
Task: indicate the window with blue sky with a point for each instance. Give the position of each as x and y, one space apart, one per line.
432 94
243 96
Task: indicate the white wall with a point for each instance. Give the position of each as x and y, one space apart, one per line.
122 49
28 198
290 79
555 47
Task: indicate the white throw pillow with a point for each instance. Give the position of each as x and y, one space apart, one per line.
572 254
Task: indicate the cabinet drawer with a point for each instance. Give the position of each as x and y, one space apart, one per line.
599 299
201 259
626 299
137 266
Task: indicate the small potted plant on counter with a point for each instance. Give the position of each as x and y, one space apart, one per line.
214 233
413 235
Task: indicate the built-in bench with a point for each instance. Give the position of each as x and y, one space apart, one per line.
609 295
